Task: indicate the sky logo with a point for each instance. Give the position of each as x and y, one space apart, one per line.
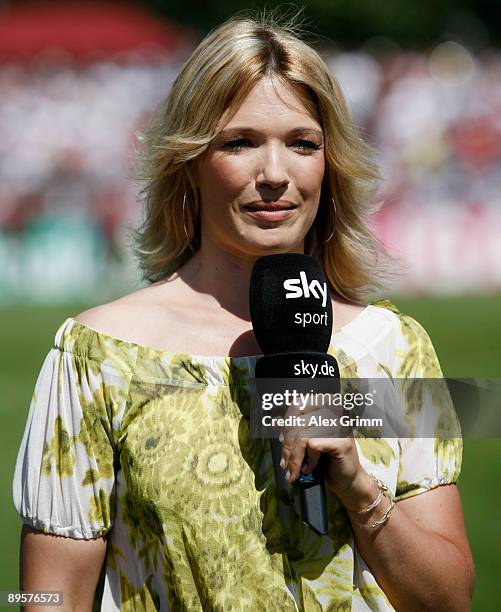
300 287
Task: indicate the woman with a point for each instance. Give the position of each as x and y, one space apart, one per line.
137 458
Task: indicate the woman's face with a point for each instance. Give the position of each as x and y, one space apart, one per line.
260 179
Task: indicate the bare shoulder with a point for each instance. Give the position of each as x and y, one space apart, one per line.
106 318
127 317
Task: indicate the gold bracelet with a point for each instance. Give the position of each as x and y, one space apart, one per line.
382 490
386 515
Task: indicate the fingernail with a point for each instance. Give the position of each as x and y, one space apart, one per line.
282 463
287 475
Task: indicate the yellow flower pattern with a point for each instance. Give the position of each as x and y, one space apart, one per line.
154 450
58 450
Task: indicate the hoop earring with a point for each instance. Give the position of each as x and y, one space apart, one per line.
184 216
334 224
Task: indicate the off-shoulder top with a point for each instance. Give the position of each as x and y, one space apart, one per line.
153 450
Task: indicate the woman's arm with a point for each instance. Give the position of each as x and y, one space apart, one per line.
57 563
420 556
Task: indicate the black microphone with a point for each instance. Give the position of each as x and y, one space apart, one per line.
291 314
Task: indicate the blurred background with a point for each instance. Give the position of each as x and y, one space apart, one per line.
423 81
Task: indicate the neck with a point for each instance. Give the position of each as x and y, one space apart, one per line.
222 277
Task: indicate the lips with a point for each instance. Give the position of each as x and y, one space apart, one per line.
270 212
271 206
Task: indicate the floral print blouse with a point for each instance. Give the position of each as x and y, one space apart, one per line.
153 450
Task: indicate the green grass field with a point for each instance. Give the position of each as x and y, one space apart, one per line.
467 336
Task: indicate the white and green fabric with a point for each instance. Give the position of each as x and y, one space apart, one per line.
153 449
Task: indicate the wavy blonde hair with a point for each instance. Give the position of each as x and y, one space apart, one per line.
213 82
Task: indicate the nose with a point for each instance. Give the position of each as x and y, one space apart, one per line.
272 171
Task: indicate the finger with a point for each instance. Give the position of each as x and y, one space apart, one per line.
289 444
311 458
288 447
295 459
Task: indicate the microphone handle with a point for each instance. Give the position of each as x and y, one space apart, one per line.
313 501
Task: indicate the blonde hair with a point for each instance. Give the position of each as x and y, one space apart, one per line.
218 75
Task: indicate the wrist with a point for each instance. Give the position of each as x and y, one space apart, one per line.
361 494
377 509
377 516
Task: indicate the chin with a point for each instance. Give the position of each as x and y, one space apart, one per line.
277 244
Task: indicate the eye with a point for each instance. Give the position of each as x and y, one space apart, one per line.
306 145
237 145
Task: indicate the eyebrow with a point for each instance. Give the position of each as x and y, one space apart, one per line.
248 130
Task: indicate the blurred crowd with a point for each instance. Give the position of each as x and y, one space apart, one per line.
66 195
69 137
435 120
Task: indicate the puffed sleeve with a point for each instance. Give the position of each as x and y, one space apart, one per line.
64 475
431 454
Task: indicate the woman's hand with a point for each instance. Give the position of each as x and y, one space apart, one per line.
344 475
